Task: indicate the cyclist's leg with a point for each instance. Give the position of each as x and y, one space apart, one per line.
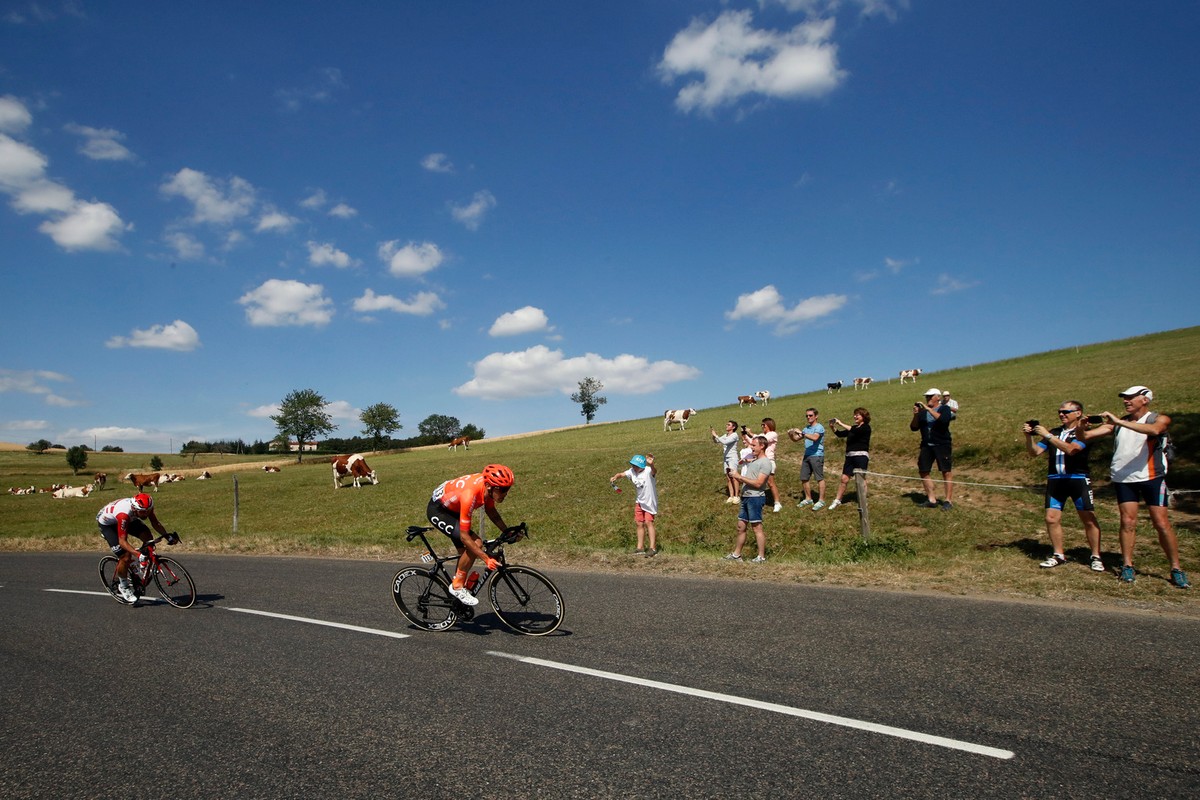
446 521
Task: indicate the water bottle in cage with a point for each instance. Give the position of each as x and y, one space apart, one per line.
472 581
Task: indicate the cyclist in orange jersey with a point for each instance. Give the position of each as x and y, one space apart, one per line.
450 511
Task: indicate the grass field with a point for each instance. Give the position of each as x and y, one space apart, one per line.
990 544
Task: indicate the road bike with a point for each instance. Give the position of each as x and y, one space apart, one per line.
523 598
173 581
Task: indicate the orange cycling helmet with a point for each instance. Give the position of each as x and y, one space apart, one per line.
498 475
143 502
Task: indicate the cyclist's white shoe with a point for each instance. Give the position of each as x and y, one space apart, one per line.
464 596
126 592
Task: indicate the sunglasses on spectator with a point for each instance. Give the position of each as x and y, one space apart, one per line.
1062 411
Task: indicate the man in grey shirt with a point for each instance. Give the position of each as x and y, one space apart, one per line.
754 497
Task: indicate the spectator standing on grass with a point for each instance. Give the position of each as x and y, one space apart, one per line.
858 446
753 480
1068 479
950 401
768 433
729 456
813 465
932 418
1139 475
645 508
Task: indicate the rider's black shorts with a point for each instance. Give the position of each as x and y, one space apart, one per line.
134 527
444 520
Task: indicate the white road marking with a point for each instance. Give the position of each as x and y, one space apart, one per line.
142 599
341 625
847 722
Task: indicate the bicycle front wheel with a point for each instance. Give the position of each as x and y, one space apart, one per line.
423 597
526 601
108 576
174 583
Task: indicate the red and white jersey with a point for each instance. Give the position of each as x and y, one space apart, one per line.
112 513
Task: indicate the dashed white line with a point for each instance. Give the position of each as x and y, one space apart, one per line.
342 625
847 722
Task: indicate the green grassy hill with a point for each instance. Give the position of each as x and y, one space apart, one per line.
991 542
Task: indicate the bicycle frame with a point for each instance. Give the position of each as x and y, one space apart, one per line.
493 547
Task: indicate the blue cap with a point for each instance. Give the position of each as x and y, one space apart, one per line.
638 461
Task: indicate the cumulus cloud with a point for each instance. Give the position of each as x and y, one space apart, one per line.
735 60
275 221
471 215
324 254
214 201
101 144
316 200
265 412
766 307
524 320
14 116
186 248
36 382
176 336
87 226
437 162
24 425
343 211
421 304
947 284
542 371
278 303
411 260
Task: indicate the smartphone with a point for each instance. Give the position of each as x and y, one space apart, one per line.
1095 419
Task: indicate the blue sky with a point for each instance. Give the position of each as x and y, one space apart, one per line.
466 208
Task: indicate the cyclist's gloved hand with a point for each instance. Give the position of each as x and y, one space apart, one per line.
491 563
172 538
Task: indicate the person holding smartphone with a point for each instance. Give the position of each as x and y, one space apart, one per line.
933 419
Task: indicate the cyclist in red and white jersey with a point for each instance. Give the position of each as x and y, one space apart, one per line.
450 511
117 521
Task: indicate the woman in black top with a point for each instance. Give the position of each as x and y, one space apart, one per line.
858 443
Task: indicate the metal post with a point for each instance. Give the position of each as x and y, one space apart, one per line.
860 486
235 503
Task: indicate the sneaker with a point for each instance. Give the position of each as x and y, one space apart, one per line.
734 500
778 507
834 504
639 552
653 551
758 560
1127 574
1179 579
805 502
947 505
817 506
126 592
464 597
1053 561
1097 564
930 504
733 557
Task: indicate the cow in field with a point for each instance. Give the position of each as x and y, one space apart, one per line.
73 491
270 468
836 386
465 441
909 374
763 396
203 476
100 479
863 383
141 480
354 466
677 417
746 400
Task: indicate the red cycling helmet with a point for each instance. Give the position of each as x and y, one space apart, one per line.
498 475
143 502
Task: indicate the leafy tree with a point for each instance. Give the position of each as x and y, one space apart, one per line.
77 458
475 433
440 428
302 415
156 463
379 420
112 448
39 447
589 398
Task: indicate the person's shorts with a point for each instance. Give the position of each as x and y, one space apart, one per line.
135 527
1151 492
931 453
772 466
445 521
854 462
751 509
640 514
1060 490
731 463
812 467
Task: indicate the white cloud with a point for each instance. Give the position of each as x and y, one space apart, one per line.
541 371
36 382
315 200
265 412
320 255
213 200
320 90
421 304
20 164
14 116
343 211
412 259
437 162
947 284
766 307
177 336
186 247
101 144
340 409
472 214
523 320
87 226
736 60
24 425
277 303
44 197
275 221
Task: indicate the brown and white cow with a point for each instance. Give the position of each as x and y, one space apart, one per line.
73 491
465 441
100 479
142 480
763 396
677 417
270 468
746 400
862 383
354 466
203 476
909 374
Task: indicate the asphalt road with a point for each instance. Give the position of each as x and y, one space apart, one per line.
651 688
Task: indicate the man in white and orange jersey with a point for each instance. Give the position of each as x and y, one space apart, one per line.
117 521
450 511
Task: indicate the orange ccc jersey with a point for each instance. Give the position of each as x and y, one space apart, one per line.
464 495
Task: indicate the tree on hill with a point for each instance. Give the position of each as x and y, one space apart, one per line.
302 415
440 428
39 447
77 458
379 420
589 398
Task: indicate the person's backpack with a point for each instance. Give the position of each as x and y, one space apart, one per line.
1163 443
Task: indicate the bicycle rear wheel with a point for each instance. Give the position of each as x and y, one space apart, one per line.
423 597
174 583
526 601
108 576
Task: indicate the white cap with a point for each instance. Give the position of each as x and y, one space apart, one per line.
932 392
1133 391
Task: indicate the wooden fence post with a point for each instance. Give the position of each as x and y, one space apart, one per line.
864 516
235 503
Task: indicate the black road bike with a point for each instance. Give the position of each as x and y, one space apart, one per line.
523 598
173 581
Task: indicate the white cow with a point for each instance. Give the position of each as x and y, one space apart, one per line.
909 374
677 417
763 396
73 491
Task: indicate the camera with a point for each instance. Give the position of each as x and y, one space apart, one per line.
1095 419
1033 423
